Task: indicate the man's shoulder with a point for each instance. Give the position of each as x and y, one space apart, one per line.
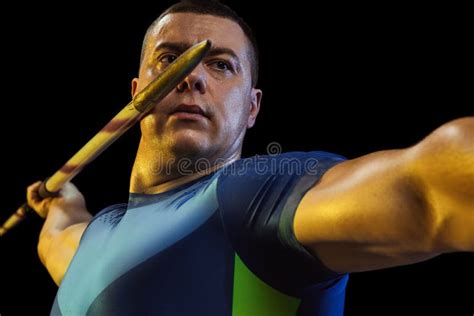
272 175
294 163
109 214
257 199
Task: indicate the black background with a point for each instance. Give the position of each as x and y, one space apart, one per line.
349 80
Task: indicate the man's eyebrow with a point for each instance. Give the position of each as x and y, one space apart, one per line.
214 51
180 48
174 47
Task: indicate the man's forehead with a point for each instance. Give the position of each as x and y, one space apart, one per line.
191 28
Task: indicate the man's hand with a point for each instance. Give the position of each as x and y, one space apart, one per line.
69 198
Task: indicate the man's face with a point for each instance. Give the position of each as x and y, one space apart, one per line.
220 88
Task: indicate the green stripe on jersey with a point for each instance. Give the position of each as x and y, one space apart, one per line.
253 297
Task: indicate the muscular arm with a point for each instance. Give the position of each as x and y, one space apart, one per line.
66 220
394 207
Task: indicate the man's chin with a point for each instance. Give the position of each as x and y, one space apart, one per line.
190 146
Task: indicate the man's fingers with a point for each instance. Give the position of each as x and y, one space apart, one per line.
32 192
35 201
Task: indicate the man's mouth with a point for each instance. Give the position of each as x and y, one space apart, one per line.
188 112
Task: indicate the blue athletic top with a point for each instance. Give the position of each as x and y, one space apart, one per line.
220 245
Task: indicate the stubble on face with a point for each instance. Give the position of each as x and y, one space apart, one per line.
225 98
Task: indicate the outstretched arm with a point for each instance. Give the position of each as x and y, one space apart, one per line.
394 207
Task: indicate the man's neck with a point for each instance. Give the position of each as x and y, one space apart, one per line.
156 172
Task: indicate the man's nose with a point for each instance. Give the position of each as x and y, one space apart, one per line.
195 81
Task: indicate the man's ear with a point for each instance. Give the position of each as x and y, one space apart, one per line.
256 98
134 87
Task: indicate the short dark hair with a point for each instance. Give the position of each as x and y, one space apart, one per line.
214 8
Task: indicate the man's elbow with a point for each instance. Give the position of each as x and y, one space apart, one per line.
454 235
443 165
455 137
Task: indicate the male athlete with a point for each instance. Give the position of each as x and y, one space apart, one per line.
207 233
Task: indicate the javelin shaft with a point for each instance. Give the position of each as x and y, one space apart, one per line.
141 104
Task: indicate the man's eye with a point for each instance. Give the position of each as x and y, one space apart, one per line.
221 65
168 59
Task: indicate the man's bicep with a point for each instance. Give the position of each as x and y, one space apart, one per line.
366 214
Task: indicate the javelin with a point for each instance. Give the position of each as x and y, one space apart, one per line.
141 104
